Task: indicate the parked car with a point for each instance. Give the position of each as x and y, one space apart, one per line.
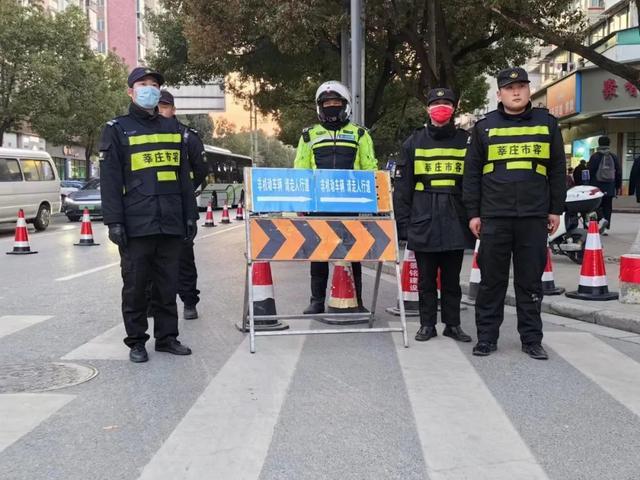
28 181
69 186
87 197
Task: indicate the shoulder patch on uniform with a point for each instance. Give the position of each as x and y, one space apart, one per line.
306 136
111 123
192 130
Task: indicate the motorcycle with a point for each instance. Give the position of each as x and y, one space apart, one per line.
581 204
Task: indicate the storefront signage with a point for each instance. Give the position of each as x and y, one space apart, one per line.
564 98
610 89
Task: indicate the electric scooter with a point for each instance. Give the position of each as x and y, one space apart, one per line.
581 204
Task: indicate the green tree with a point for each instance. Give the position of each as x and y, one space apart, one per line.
95 92
35 48
271 151
202 123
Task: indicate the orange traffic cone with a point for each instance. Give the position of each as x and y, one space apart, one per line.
239 212
475 276
225 214
593 277
264 302
86 232
21 242
409 280
342 298
208 220
548 282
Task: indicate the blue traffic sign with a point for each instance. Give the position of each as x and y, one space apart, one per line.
297 190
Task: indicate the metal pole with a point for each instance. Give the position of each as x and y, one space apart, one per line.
345 73
357 60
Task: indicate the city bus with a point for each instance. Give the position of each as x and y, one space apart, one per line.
224 180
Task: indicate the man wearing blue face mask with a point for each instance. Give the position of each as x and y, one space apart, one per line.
149 207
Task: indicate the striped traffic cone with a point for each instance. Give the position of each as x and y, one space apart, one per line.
208 219
475 276
409 280
630 278
548 282
86 232
342 298
264 302
593 277
239 212
21 242
225 214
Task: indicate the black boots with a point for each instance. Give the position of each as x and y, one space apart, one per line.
316 306
535 350
456 333
190 313
173 346
138 354
483 349
426 333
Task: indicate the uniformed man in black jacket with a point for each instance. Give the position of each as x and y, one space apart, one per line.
149 207
429 212
514 192
188 278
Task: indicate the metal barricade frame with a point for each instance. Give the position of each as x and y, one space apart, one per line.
252 220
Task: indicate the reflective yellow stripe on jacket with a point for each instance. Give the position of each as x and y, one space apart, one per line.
527 154
438 167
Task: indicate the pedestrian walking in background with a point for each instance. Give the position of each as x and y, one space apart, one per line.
579 175
634 179
570 181
606 174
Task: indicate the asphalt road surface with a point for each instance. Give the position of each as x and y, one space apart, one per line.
357 406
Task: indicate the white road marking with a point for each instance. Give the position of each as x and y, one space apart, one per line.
202 237
227 432
464 432
106 346
614 372
86 272
22 412
13 323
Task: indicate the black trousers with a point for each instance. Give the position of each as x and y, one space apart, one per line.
606 208
526 238
450 264
150 259
188 276
320 278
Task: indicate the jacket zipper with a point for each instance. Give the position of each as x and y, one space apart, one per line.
335 134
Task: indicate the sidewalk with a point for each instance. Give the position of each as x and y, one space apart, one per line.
626 204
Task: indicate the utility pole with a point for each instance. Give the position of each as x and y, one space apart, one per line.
357 61
345 72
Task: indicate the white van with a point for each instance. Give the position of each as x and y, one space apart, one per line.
28 181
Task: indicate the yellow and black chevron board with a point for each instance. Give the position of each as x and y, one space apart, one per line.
309 239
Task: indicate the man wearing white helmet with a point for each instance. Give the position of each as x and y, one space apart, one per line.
334 143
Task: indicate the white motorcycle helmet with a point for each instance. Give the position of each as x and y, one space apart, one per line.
333 89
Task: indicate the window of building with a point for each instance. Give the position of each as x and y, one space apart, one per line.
59 162
633 146
9 170
102 48
37 170
100 25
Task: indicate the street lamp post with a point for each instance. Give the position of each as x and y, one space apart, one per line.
357 60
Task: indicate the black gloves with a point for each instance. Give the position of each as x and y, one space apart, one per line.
117 234
192 230
402 234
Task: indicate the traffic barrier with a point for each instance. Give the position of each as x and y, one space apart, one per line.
21 241
208 219
264 302
239 212
86 232
474 276
593 277
342 298
630 278
548 282
225 214
409 278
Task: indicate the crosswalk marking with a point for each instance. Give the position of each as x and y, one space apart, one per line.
14 323
22 412
106 346
614 372
463 430
227 432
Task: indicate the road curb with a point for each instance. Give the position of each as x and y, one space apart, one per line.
589 312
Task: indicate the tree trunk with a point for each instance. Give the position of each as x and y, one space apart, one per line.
88 149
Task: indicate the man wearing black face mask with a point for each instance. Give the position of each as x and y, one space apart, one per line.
429 213
334 143
149 206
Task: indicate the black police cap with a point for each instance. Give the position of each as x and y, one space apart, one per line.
512 75
166 97
441 94
141 72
